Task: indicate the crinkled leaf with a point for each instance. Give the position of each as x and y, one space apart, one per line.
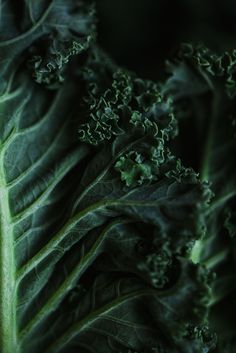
90 262
211 112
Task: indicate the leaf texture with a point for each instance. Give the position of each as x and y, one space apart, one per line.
94 249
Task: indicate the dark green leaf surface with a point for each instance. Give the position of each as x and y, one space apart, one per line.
98 216
216 133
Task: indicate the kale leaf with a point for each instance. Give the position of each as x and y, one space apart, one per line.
110 237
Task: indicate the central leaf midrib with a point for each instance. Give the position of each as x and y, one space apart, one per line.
8 330
210 137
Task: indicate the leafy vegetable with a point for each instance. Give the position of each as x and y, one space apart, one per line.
216 249
109 237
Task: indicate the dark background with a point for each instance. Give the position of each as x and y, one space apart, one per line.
142 34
